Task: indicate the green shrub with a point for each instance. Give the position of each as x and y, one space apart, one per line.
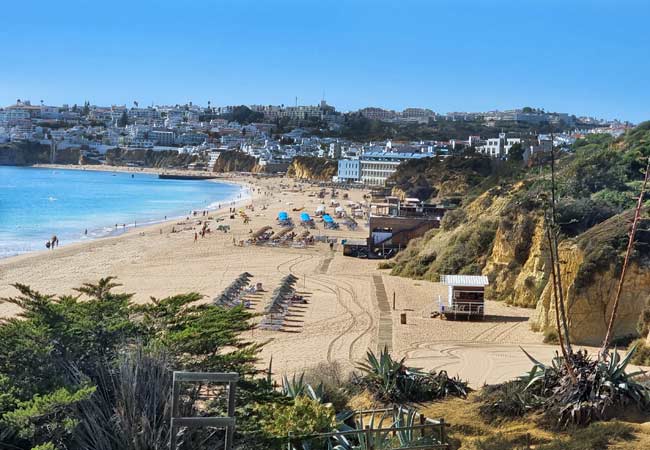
551 336
334 382
510 400
642 354
303 417
453 219
391 381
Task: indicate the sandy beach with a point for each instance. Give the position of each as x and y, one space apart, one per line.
349 307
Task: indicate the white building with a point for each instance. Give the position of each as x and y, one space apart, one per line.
162 137
498 147
377 167
349 170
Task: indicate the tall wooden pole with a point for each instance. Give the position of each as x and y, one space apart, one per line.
628 253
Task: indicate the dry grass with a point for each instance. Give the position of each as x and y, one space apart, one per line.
469 432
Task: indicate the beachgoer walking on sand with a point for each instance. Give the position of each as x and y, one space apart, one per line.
196 236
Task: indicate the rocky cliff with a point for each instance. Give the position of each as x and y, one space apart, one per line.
591 267
28 153
236 161
439 178
149 158
312 168
501 232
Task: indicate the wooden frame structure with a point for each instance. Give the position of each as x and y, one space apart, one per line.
227 422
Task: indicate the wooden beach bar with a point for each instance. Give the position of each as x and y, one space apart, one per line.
465 296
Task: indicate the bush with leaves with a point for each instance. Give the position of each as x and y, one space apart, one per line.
600 387
304 416
392 381
68 360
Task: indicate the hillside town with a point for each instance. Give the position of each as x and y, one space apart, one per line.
275 135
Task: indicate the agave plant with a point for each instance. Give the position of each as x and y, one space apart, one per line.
390 380
296 387
601 385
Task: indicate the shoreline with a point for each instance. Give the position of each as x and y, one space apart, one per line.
247 196
340 320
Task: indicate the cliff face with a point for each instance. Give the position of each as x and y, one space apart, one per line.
440 178
28 153
514 256
589 308
236 161
23 154
312 168
149 158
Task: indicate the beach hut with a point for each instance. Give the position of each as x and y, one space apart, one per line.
465 296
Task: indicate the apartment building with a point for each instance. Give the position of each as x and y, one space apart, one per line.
349 170
498 147
374 168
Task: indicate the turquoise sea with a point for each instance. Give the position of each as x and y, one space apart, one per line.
36 203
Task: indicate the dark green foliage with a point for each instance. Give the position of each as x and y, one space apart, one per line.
131 408
604 245
422 178
123 121
391 381
48 418
575 216
593 169
467 251
602 387
452 219
52 332
244 115
68 360
516 152
510 400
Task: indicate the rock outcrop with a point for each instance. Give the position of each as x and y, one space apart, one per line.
312 168
516 260
235 161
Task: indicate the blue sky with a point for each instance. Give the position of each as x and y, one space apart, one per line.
579 56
